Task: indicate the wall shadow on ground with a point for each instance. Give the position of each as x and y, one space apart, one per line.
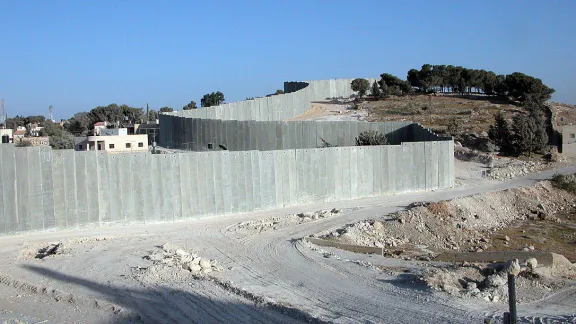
168 305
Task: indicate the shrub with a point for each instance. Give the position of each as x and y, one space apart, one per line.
371 137
565 182
438 208
23 143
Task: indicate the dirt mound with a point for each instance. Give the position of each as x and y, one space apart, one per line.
463 224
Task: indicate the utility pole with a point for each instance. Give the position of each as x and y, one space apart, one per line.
2 114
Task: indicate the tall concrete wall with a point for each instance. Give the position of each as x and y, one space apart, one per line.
298 99
43 189
196 134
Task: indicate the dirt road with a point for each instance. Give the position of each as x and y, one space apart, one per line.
105 275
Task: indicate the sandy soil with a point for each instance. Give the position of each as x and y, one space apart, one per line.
333 111
117 274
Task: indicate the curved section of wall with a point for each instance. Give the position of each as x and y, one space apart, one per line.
295 102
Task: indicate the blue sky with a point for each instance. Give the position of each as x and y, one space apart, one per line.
76 55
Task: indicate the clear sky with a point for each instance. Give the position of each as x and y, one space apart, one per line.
76 55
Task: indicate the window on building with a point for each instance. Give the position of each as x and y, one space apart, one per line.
79 147
210 146
128 145
572 135
140 144
110 146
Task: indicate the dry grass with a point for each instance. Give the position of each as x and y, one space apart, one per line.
438 208
475 113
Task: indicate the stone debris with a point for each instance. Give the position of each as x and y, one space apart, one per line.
50 249
174 256
490 281
277 222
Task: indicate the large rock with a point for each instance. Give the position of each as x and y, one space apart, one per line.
205 263
194 267
494 281
532 263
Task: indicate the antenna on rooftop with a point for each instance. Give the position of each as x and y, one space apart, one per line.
50 114
2 113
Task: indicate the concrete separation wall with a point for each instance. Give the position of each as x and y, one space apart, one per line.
252 161
43 188
195 134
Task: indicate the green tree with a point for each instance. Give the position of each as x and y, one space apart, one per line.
371 137
360 86
190 106
166 109
523 87
110 113
279 92
212 99
500 133
152 114
59 138
130 114
375 90
529 133
393 85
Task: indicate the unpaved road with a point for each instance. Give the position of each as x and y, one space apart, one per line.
104 278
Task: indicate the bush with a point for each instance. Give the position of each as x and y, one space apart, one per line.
371 137
565 182
438 208
23 143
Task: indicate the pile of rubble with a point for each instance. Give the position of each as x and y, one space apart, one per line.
276 222
463 224
490 282
498 167
504 168
170 255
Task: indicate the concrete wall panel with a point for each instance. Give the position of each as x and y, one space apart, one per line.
210 185
256 174
36 220
247 195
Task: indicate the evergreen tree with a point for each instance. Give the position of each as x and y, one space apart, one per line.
500 133
375 90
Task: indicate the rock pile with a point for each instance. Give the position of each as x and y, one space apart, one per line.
276 222
489 282
174 256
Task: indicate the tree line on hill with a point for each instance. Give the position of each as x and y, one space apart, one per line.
456 79
528 131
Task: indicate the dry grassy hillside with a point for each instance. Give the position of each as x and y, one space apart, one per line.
474 113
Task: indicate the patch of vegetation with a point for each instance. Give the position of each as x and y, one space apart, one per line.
565 182
23 143
371 137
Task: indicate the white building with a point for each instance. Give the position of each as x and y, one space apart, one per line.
113 143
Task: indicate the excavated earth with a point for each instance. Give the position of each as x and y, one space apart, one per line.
255 267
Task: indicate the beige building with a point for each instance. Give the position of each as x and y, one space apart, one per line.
112 144
569 140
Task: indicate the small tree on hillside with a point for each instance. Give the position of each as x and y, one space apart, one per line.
371 137
529 133
375 90
190 106
500 133
360 86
